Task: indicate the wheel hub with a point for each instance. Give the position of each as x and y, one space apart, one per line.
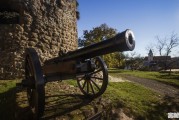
87 77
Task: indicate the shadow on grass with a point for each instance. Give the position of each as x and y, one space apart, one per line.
56 105
161 110
7 105
22 110
63 104
59 105
158 111
166 76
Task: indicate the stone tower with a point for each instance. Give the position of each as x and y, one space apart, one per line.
150 56
49 26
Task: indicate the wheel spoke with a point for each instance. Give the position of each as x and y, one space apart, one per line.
29 71
95 84
87 87
81 78
84 85
92 87
30 67
96 71
96 63
97 78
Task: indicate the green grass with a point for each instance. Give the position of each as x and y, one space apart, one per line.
172 79
7 99
136 100
71 82
6 85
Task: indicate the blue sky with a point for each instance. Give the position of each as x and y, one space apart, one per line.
147 18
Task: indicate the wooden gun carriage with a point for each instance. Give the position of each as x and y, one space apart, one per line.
83 64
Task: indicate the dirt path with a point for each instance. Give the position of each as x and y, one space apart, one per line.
159 87
117 79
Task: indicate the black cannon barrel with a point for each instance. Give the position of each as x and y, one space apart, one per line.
123 41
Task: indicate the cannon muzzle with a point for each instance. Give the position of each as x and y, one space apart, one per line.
123 41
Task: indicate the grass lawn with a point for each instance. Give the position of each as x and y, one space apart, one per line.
135 100
172 79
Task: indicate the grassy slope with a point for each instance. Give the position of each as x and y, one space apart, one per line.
172 79
135 99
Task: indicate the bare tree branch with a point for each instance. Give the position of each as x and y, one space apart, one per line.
173 42
150 47
166 45
160 44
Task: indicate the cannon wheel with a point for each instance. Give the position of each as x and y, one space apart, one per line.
35 89
95 83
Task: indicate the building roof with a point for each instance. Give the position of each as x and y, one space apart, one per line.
150 52
159 58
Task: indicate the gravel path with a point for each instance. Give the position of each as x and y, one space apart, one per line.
159 87
117 79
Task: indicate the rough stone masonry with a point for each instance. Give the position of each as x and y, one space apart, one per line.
49 26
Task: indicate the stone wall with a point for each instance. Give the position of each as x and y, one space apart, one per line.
49 26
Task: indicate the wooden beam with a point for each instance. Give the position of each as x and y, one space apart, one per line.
61 68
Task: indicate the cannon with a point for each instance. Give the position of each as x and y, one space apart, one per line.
83 64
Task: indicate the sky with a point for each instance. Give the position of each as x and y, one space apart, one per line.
146 18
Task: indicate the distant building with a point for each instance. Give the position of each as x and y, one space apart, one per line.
158 62
174 63
150 56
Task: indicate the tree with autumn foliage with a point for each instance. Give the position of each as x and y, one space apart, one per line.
98 34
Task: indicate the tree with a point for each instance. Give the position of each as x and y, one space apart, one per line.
166 45
149 47
133 60
114 60
174 42
98 34
161 44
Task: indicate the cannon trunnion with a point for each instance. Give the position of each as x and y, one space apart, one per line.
83 64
